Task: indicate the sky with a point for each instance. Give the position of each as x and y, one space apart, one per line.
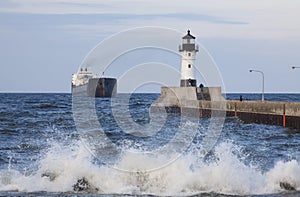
44 41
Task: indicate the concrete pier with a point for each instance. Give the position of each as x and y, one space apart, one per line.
179 100
286 114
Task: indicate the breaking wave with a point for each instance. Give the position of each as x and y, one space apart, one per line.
69 168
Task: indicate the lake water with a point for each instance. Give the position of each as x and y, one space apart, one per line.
46 150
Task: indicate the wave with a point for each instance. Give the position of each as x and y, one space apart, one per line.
48 106
62 167
10 131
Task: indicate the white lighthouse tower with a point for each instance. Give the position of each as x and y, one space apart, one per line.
188 50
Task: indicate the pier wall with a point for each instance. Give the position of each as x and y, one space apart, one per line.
286 114
185 100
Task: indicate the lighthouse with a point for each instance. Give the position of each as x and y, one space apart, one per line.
188 50
185 98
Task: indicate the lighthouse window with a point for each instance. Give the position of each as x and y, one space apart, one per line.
189 54
189 66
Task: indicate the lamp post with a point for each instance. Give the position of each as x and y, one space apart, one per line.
263 83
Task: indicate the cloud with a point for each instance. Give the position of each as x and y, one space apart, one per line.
248 18
252 19
114 9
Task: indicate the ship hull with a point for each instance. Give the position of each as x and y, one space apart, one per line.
97 87
79 90
102 87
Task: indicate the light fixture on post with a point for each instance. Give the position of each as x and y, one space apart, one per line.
263 83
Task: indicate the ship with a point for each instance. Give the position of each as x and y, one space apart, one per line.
86 83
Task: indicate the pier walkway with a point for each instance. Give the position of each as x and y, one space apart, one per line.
186 101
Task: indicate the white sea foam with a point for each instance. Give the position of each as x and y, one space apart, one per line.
61 167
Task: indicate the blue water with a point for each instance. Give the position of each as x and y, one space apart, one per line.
43 151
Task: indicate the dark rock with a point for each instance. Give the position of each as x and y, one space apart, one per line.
82 185
287 186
